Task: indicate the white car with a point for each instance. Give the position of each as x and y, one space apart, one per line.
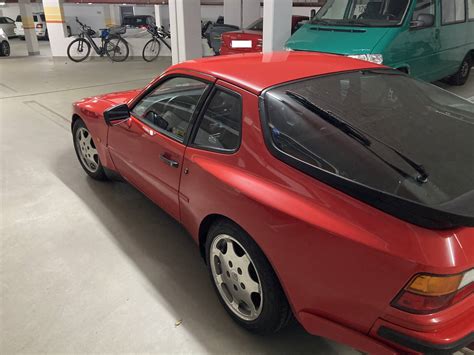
7 25
4 44
40 26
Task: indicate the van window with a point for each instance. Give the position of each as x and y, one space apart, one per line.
470 4
452 11
425 7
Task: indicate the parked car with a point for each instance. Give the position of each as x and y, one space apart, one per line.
138 21
212 31
4 44
429 39
8 26
137 25
316 186
41 29
251 39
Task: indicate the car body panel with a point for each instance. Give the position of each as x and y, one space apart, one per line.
8 26
255 71
340 261
430 53
254 36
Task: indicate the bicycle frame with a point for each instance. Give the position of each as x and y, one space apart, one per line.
99 50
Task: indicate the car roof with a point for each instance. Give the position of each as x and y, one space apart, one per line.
256 72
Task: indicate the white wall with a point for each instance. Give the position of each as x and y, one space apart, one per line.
211 12
13 10
91 15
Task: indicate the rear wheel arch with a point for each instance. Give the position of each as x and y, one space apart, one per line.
204 227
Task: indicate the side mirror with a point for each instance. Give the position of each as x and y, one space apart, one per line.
423 21
116 113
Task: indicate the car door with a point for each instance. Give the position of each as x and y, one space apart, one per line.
148 148
216 142
424 45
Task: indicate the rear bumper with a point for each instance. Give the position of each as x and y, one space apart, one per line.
389 338
422 346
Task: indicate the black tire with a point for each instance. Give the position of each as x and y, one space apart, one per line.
151 50
5 49
460 78
117 49
22 38
275 311
98 173
80 46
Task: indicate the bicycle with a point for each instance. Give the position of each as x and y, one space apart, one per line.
112 44
152 48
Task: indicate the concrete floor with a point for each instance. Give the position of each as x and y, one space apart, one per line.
90 267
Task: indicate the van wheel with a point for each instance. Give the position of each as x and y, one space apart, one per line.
462 75
244 280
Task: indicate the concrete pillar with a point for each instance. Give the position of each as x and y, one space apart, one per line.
162 16
26 13
250 12
277 24
185 28
57 31
233 12
110 15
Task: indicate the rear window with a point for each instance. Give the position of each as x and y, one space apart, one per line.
376 129
256 26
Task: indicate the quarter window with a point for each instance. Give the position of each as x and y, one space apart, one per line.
220 126
170 107
424 7
453 11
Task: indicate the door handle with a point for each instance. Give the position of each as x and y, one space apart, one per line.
169 162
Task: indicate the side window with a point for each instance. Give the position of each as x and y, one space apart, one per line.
425 7
470 4
3 20
452 11
170 107
9 20
221 123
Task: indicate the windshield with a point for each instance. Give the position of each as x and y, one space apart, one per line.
379 129
370 13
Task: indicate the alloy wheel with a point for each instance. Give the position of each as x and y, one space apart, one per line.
236 277
87 150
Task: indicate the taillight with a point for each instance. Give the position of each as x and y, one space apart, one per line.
427 293
39 25
259 42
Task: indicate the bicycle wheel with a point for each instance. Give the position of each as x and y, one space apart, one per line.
116 48
78 50
151 50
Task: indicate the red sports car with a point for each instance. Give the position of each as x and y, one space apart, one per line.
251 39
316 186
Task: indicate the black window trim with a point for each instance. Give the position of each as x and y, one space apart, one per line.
399 207
197 110
200 118
466 15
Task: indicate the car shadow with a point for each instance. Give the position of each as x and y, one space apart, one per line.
169 259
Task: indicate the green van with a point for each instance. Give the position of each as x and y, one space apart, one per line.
429 39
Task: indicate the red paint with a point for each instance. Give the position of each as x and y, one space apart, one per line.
250 35
340 261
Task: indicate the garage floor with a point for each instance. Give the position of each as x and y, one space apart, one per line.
96 267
